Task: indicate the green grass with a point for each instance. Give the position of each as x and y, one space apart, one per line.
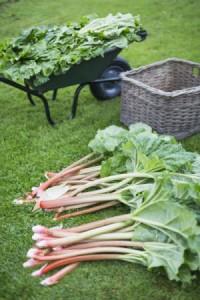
29 146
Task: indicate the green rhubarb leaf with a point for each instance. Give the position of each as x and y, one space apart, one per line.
108 140
114 165
168 256
159 212
169 217
144 233
187 188
138 128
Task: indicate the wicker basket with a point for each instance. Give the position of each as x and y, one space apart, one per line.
165 95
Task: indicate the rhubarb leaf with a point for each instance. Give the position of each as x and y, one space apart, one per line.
108 140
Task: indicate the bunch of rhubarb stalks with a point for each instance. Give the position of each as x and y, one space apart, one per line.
153 175
66 248
68 189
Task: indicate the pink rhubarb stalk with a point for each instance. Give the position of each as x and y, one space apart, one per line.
59 275
49 267
81 236
86 211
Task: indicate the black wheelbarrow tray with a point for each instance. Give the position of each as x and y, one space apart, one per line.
101 73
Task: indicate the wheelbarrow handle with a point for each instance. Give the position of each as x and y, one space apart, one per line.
142 33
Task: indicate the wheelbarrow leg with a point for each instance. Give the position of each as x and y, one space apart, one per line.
25 88
75 100
29 95
55 92
46 108
30 99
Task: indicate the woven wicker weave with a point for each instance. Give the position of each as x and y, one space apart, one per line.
165 95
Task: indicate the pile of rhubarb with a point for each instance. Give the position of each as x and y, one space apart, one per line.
40 52
151 174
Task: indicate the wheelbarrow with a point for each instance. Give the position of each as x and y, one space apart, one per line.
101 73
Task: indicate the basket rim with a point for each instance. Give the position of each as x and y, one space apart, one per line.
157 91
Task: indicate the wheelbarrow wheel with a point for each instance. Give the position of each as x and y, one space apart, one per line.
108 90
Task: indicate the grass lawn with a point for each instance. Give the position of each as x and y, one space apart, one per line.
29 146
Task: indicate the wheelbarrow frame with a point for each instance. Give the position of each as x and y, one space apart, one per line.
85 73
